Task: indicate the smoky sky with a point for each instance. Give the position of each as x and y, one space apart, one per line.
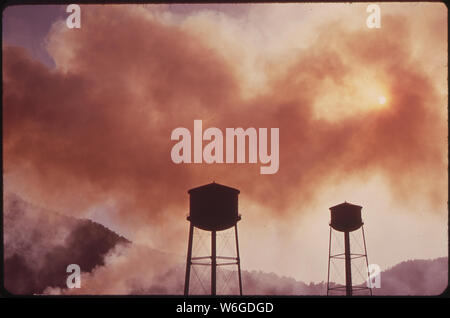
98 126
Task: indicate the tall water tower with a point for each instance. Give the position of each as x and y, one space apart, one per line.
212 207
346 219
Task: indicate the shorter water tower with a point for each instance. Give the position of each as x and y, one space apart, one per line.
212 207
346 219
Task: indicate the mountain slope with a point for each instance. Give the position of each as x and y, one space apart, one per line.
40 244
415 277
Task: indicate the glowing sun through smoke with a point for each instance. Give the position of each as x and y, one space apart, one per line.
381 100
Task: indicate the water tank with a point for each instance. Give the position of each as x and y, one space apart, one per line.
346 217
213 207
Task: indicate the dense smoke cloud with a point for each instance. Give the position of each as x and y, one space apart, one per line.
100 123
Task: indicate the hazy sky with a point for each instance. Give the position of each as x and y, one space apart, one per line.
362 113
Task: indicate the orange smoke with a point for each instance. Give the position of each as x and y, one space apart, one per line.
98 126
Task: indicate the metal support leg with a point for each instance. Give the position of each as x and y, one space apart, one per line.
213 263
188 260
367 259
348 264
329 259
238 260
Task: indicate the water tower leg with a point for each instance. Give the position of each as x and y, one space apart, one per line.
348 264
329 259
188 260
213 263
367 259
238 260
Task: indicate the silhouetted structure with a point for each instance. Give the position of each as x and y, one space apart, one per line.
346 218
212 207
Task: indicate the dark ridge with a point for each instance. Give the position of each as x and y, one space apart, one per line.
35 259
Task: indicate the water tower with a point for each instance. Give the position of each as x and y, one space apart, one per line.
212 207
346 219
